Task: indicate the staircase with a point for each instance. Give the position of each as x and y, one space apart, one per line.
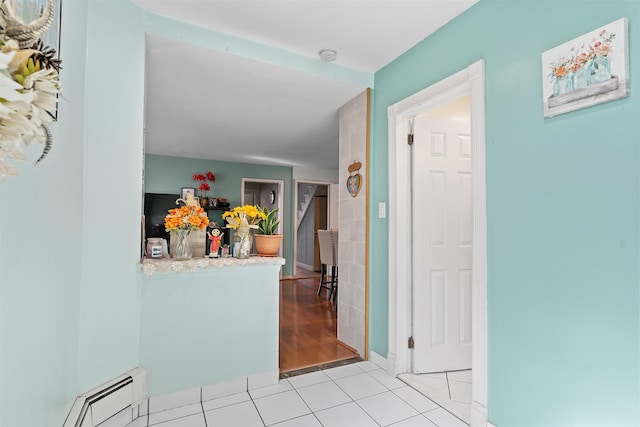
305 196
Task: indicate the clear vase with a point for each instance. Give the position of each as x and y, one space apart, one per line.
243 240
599 70
581 77
182 250
563 85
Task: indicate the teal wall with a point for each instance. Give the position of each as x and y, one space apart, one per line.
563 215
562 208
166 174
111 199
223 324
40 256
68 258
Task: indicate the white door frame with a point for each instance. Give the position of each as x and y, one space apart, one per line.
280 203
468 82
295 210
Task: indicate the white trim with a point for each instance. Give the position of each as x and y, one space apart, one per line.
378 360
264 379
468 82
303 265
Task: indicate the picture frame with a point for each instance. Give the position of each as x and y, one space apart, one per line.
28 11
213 202
588 70
187 190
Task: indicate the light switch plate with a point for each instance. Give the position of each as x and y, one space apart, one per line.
382 210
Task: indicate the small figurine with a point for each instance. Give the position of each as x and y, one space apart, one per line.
214 236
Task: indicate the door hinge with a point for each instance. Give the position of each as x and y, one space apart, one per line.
410 138
411 343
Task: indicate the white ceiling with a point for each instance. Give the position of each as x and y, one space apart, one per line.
204 103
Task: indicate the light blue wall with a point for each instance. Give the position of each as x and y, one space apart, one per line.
69 257
40 256
165 174
209 326
112 169
563 213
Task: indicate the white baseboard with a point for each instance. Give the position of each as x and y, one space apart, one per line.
176 399
263 380
490 425
379 360
222 389
305 266
478 415
391 365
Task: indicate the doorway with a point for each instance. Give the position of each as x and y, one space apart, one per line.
401 357
267 193
442 247
314 207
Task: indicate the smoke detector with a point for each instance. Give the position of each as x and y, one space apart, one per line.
328 55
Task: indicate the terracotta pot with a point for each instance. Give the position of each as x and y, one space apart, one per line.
268 245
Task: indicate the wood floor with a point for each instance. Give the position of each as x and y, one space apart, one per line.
307 326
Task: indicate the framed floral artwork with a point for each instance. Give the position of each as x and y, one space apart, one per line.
588 70
187 190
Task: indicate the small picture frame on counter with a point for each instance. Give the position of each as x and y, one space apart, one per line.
187 190
213 202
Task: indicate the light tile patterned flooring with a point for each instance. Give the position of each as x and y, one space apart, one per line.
356 395
451 390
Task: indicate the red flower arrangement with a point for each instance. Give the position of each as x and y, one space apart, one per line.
204 186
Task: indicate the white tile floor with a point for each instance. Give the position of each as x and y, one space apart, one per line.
450 390
356 395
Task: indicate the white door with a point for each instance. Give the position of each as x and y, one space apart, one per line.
442 239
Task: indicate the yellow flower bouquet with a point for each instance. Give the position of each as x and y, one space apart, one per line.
242 219
250 213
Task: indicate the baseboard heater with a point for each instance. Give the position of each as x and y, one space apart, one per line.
101 403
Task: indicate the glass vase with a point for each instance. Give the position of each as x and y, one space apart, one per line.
182 250
581 77
243 240
563 85
599 70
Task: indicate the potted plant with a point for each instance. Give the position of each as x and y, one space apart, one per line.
204 186
267 242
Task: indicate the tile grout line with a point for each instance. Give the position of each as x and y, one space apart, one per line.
305 402
257 410
352 400
202 407
355 401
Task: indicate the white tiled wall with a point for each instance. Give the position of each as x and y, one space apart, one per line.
352 229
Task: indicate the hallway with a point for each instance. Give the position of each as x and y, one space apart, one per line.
307 325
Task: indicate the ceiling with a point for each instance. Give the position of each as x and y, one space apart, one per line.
212 104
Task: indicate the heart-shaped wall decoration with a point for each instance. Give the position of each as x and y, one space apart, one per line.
354 182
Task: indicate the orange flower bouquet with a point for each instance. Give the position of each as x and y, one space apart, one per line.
188 217
183 220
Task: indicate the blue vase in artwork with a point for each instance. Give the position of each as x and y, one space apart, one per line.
563 85
581 77
599 70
